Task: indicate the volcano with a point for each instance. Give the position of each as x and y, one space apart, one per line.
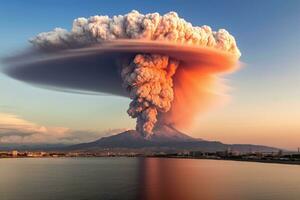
164 138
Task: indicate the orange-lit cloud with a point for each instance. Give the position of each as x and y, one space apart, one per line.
198 86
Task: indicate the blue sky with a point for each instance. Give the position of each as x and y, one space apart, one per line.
265 102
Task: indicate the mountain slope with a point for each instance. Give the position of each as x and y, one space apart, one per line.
164 138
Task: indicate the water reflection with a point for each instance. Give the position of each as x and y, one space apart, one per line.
168 179
179 179
146 179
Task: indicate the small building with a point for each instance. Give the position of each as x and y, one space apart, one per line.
14 153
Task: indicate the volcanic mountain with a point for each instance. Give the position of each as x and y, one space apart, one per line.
164 138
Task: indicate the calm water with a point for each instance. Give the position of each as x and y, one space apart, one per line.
148 178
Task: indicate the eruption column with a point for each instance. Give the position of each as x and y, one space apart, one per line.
148 79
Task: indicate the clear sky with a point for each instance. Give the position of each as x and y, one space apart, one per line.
265 95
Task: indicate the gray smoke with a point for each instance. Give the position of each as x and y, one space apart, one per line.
148 79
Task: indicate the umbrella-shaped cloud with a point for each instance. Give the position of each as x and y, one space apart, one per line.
165 65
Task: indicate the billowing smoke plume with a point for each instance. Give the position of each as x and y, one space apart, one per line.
134 25
148 77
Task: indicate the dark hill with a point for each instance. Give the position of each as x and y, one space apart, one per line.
164 138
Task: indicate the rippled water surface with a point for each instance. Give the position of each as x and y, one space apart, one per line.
146 178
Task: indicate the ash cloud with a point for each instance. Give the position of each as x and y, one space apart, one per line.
163 63
153 26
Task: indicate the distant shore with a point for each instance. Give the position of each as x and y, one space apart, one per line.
239 160
274 161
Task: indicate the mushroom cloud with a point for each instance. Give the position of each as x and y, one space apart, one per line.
165 65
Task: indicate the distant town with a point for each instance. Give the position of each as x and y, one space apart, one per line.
266 157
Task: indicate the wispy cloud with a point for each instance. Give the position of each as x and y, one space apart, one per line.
14 129
7 108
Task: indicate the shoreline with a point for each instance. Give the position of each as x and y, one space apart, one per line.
240 160
297 162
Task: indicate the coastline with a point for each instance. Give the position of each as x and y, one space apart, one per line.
297 162
239 160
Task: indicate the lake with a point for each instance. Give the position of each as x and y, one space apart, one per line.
146 178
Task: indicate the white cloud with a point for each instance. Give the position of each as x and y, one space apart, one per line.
14 129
